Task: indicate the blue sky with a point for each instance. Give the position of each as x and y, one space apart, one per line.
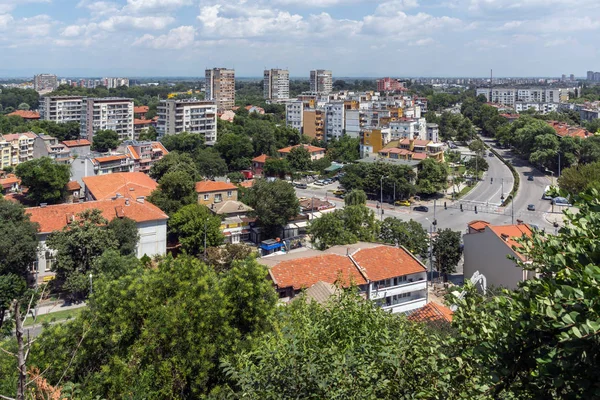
350 37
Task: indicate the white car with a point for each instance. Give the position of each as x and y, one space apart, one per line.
320 183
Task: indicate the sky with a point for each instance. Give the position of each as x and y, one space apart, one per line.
350 37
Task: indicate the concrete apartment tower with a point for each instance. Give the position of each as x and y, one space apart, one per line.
220 87
276 84
321 81
193 116
61 108
45 83
112 113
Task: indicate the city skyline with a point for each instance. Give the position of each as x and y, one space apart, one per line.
353 38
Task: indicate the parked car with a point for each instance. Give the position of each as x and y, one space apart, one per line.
531 207
404 203
301 185
561 201
339 192
530 178
421 208
320 182
491 154
327 182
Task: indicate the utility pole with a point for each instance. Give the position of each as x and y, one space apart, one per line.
205 222
21 358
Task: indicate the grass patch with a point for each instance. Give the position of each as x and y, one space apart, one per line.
464 191
55 316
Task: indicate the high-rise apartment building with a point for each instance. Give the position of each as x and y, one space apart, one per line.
61 108
509 96
389 85
220 87
112 83
276 84
113 113
294 114
45 82
593 76
321 81
335 120
194 116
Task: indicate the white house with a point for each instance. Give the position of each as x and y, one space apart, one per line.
151 224
487 250
390 276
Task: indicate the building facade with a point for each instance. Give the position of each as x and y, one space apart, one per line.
509 96
220 87
45 83
321 81
144 154
335 120
294 115
193 116
276 84
389 85
17 148
212 192
113 113
61 108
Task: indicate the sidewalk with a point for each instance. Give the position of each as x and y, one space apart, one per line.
56 306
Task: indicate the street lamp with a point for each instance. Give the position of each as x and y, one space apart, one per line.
430 251
502 195
381 194
91 285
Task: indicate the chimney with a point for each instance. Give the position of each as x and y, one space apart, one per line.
127 202
140 199
504 237
119 195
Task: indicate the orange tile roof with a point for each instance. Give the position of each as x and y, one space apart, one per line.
110 158
159 145
25 114
384 262
72 186
432 312
212 186
247 184
16 136
133 153
508 233
305 272
261 159
417 142
140 109
76 143
137 121
478 225
562 129
128 184
311 149
53 218
10 180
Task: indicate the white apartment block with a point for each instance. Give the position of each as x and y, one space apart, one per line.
510 96
334 120
408 129
542 108
353 119
433 132
294 115
45 82
61 108
321 81
113 113
193 116
220 87
276 84
112 83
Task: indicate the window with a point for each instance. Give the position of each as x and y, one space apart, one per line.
49 261
229 193
218 198
205 197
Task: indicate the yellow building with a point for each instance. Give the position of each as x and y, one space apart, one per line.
16 148
211 192
313 124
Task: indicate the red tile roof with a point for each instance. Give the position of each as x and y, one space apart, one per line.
110 158
247 184
127 184
261 159
432 312
562 129
16 136
478 225
77 143
508 233
25 114
53 218
305 272
140 109
134 154
212 186
72 186
10 180
142 121
417 142
419 156
159 146
311 149
384 262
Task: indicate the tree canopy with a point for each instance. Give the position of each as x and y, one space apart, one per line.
44 179
344 226
175 190
274 203
192 224
432 176
105 140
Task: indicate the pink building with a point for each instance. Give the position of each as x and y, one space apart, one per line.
389 85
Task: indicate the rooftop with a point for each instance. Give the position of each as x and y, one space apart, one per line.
127 184
261 159
214 186
25 114
432 312
230 207
384 262
311 149
77 143
56 217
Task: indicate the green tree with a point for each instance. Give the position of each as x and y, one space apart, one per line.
476 163
173 162
345 149
222 258
344 226
432 177
125 231
24 106
409 234
355 197
299 159
193 224
447 251
105 140
237 151
44 179
321 164
150 134
77 246
477 146
579 178
274 203
183 142
210 164
276 167
175 190
18 251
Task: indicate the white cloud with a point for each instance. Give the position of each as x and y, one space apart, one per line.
100 8
422 42
9 5
128 22
176 38
408 25
393 6
316 3
5 21
145 5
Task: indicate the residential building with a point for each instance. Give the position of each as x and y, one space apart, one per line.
97 164
79 147
432 313
489 248
276 84
433 132
150 220
25 114
9 183
113 83
389 85
408 128
139 112
563 129
389 276
213 192
61 108
510 96
193 116
313 123
44 83
593 76
133 185
258 164
321 81
17 148
316 153
371 142
352 121
220 87
141 126
48 146
542 108
294 115
113 113
235 224
335 120
144 154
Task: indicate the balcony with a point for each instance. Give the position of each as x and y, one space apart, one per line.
407 287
